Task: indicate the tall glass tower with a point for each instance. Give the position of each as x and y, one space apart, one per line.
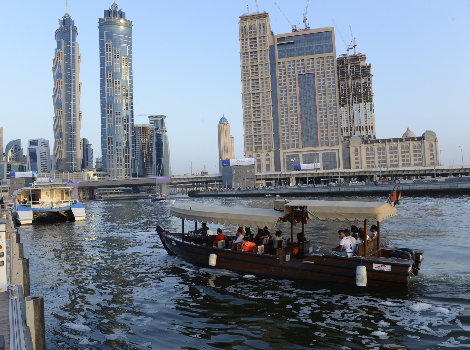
66 97
116 93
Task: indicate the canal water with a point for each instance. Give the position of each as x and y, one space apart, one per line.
108 283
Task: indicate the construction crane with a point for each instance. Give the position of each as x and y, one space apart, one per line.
353 41
294 27
305 17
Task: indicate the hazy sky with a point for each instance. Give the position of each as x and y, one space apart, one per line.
187 66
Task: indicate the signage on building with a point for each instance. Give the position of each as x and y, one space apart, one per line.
306 166
18 175
242 161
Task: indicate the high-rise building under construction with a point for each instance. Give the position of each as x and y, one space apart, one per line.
290 96
356 97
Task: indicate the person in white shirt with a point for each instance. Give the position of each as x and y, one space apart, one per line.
239 238
374 231
345 245
352 240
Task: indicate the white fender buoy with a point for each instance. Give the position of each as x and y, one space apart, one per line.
212 259
361 275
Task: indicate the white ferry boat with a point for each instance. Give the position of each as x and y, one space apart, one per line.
46 200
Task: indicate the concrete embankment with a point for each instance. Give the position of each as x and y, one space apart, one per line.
424 189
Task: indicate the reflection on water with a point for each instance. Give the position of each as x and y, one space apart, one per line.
109 284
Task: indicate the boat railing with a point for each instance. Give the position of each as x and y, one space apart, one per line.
50 204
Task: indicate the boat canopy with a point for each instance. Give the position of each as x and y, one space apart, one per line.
343 210
250 217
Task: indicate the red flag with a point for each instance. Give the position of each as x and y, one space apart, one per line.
393 198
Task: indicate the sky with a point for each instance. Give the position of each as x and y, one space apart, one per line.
186 65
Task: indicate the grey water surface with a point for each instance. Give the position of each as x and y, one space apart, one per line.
108 283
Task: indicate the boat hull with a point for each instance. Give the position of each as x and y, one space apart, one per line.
318 267
25 215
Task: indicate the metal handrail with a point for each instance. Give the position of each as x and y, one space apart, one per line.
20 336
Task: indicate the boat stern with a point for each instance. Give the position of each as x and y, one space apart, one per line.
78 211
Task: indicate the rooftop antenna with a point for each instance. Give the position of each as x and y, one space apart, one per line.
305 17
248 9
257 9
66 6
294 27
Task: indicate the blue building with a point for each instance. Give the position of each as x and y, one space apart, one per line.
87 158
161 146
66 97
116 93
39 158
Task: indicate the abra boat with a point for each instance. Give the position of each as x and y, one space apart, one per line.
46 200
374 265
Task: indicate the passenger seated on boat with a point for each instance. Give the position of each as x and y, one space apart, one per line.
239 238
266 232
344 248
373 230
363 233
352 239
219 236
259 237
278 235
359 241
354 232
299 237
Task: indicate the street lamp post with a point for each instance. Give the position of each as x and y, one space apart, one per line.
461 150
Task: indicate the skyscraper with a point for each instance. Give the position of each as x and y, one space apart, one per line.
225 142
290 104
13 151
144 135
1 143
255 38
116 93
39 155
355 97
66 97
87 158
161 146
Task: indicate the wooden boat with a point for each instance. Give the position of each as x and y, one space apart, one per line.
382 266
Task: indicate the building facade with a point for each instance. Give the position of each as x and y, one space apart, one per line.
14 152
87 157
1 143
39 155
355 97
226 142
66 97
290 96
408 151
144 135
116 93
161 146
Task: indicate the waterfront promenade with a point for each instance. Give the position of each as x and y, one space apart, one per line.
455 186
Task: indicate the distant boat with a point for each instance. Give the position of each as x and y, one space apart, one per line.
161 199
48 200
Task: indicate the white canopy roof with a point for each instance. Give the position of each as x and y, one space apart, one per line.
251 217
344 210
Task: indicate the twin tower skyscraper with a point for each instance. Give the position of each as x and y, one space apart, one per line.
116 95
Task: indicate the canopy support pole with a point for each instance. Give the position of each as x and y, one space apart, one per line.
182 230
195 226
378 237
292 231
365 237
303 228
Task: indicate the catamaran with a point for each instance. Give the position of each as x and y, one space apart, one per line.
46 199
